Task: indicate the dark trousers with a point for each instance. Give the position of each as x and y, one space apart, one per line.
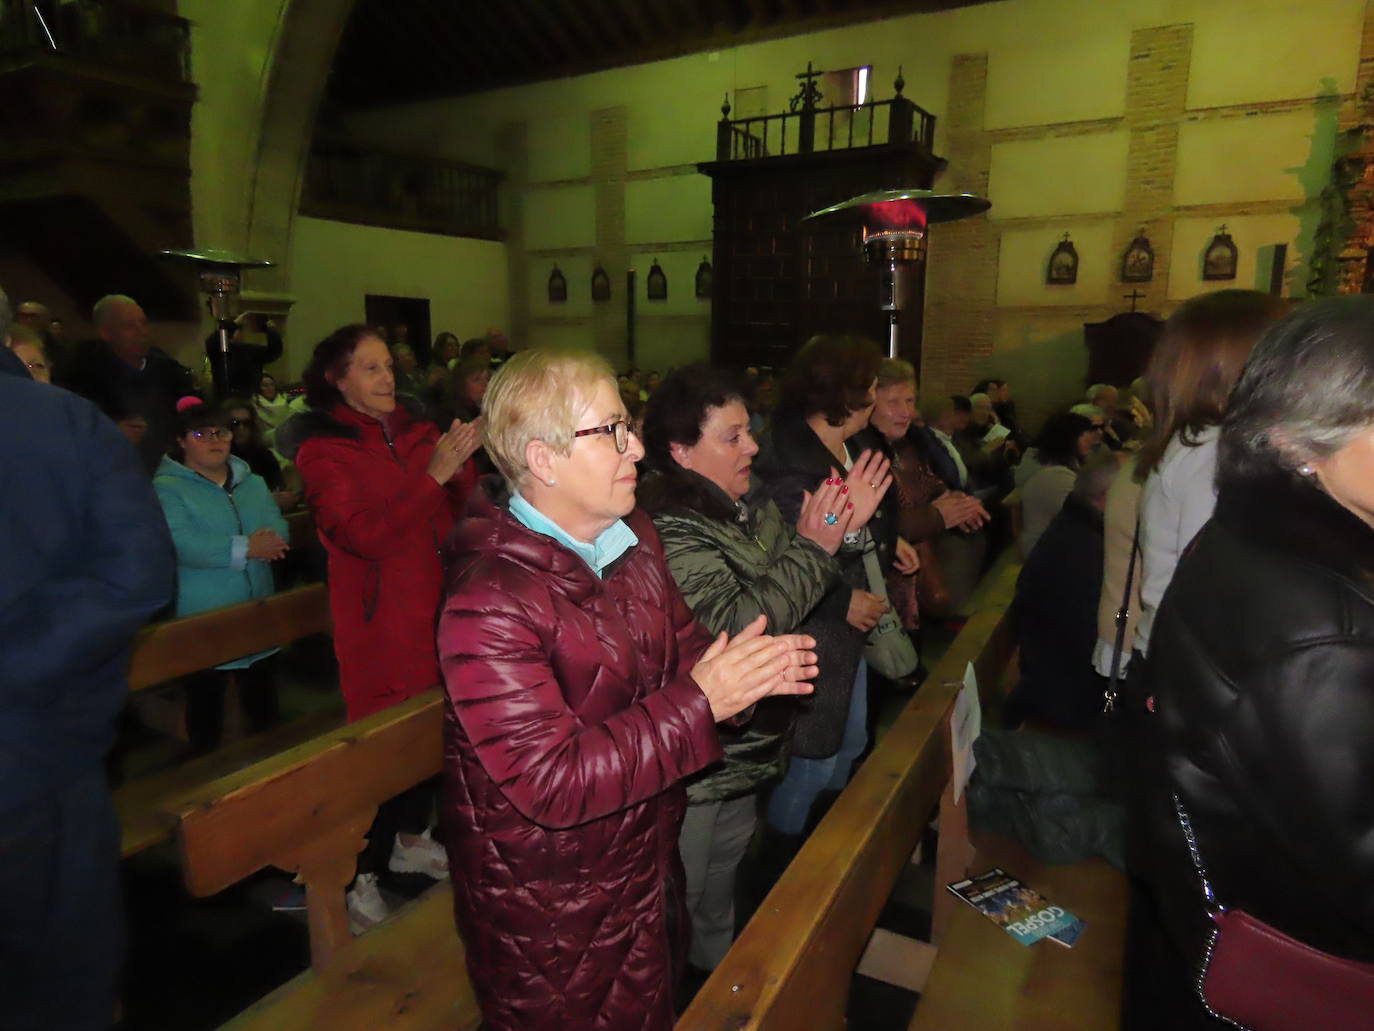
61 920
407 813
205 701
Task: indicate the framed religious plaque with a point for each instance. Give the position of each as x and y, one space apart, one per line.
1063 266
1138 263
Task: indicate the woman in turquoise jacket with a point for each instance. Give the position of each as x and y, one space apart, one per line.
227 530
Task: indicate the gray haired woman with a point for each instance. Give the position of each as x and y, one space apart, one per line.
1262 672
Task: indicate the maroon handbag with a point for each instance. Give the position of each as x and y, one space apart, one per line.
1260 979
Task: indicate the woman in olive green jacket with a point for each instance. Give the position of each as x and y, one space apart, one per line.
732 561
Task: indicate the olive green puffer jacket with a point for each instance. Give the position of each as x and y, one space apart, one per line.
729 571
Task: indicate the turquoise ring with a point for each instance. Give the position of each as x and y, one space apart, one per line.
831 519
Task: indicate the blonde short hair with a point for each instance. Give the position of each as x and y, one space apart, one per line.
537 395
892 371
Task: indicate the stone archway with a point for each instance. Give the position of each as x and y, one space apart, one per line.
303 48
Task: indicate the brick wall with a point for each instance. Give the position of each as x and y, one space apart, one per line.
967 333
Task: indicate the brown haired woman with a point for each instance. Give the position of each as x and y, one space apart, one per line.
385 488
827 396
1190 376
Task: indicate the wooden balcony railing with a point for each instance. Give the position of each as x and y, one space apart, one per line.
354 182
808 129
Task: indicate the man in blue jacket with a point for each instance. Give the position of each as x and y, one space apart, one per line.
85 560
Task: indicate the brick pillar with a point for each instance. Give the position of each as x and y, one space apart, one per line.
961 278
1156 96
609 130
512 144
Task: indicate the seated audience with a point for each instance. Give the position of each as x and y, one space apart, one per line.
227 531
409 382
1098 417
120 372
961 554
86 562
468 386
385 488
1055 609
1262 677
246 359
273 408
28 345
499 346
926 507
1064 442
734 559
988 461
262 460
581 694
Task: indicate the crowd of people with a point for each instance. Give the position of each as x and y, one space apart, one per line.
661 607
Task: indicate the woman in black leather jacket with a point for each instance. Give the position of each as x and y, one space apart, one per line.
1262 664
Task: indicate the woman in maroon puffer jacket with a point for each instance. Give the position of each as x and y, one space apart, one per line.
580 693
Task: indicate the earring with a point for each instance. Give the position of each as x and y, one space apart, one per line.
1306 470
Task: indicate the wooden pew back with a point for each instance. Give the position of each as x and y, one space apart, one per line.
165 651
793 964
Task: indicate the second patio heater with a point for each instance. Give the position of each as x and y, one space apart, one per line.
893 225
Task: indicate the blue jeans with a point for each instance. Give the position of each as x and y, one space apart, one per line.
806 778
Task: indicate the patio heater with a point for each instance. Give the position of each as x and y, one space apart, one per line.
221 279
893 225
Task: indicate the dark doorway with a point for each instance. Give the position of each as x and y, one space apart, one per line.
390 313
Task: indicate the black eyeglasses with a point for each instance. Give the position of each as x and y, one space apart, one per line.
620 430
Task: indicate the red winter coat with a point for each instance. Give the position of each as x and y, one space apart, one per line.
571 722
382 520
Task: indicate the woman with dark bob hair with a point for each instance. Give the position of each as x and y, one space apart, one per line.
1064 442
734 558
1262 666
384 488
827 395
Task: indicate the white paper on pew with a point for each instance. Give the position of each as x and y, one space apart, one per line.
965 725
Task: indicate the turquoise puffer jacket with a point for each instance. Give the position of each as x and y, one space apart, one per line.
210 527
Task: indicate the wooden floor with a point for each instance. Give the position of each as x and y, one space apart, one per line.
987 981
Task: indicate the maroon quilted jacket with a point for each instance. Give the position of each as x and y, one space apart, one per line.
571 721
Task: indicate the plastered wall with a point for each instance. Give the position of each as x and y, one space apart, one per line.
1092 117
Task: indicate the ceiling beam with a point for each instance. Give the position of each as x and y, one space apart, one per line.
535 20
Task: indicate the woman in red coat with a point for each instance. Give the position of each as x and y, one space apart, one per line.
383 487
580 693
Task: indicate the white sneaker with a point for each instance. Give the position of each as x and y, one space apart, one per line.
366 907
427 857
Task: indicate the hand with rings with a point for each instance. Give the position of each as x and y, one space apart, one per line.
825 515
866 485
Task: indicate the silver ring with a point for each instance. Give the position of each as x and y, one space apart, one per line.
831 519
874 486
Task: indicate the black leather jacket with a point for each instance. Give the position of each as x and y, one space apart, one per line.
1262 668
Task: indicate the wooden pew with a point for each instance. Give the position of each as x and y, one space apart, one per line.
148 806
793 963
307 811
165 651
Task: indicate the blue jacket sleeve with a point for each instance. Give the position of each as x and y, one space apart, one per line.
83 611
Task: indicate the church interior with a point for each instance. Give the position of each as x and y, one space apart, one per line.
632 178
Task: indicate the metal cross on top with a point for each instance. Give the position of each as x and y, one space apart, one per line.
1133 296
809 95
